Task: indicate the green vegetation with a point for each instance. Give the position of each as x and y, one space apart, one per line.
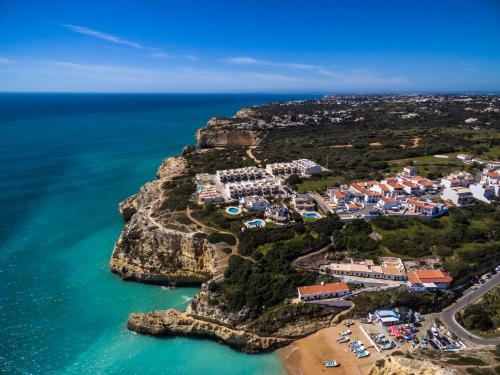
466 361
285 314
483 318
262 285
318 183
179 193
222 237
426 302
355 239
467 240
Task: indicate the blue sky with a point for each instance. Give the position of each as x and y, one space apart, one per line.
250 46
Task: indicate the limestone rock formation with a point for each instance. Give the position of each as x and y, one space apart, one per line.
175 323
153 246
210 137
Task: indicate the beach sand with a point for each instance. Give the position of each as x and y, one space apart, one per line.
306 356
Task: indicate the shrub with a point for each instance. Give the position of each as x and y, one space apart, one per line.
221 237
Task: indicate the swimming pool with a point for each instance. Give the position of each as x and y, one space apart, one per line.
255 223
200 187
313 215
233 210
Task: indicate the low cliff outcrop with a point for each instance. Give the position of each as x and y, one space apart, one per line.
175 323
405 366
153 246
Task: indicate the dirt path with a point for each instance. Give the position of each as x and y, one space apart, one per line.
416 142
234 248
252 156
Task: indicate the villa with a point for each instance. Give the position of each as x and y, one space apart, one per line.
429 279
424 208
303 202
323 291
254 203
458 179
410 170
483 192
387 203
280 214
459 196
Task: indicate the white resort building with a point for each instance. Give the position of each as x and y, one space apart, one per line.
390 269
459 196
322 291
304 167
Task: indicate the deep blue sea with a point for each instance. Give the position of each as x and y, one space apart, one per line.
66 161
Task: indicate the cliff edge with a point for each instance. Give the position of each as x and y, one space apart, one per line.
154 246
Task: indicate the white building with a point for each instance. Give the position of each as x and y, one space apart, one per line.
457 179
303 202
239 174
304 167
387 203
254 203
464 157
323 291
263 187
459 196
483 192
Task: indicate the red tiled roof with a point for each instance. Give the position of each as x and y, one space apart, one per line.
429 276
394 185
326 288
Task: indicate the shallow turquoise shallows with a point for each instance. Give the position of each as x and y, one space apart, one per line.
66 161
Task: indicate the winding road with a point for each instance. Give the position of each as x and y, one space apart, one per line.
448 314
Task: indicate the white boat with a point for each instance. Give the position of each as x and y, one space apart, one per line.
331 364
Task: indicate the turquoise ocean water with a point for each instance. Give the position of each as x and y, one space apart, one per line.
66 161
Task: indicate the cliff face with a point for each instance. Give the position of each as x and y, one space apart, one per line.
154 247
175 323
210 137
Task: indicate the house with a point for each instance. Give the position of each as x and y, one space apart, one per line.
387 203
280 214
307 167
351 207
424 184
386 317
471 120
262 187
323 291
254 203
464 157
429 279
410 188
483 192
395 188
458 179
459 196
382 189
338 197
209 195
303 202
424 208
410 170
370 196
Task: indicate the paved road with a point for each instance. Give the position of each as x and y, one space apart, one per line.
448 314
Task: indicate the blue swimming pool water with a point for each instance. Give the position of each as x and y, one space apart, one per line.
311 214
256 223
233 210
200 187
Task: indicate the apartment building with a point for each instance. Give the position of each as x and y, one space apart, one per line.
459 196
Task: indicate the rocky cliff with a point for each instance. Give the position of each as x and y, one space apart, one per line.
222 132
405 366
212 137
154 247
175 323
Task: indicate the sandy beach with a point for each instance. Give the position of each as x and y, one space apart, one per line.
306 356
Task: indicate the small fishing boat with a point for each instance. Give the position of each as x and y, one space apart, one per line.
331 364
363 354
343 339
